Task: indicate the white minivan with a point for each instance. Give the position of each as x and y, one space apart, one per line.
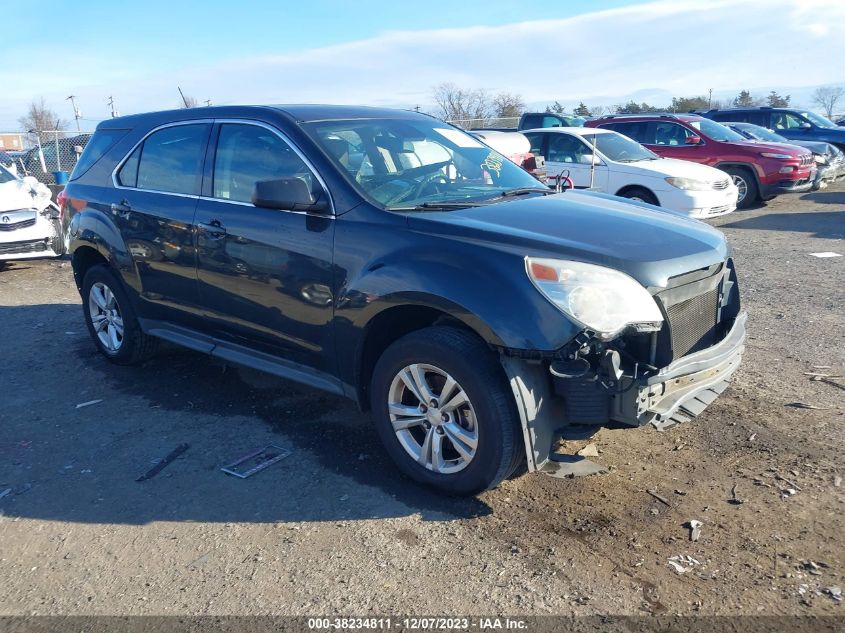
623 167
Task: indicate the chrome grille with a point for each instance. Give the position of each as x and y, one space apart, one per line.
15 248
721 184
692 323
14 226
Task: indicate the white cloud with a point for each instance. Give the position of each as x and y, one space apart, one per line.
678 47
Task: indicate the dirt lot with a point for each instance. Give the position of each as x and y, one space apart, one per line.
334 528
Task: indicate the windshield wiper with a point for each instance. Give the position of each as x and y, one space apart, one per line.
434 206
521 191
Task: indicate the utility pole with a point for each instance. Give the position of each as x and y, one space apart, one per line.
207 103
417 108
710 100
76 113
182 94
114 112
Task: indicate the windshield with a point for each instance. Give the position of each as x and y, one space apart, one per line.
410 162
716 131
762 134
6 176
619 148
817 119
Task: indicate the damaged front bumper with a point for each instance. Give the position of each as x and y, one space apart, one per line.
669 396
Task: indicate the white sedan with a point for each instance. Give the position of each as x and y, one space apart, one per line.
29 221
606 161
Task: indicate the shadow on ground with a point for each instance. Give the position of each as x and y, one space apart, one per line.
828 225
70 464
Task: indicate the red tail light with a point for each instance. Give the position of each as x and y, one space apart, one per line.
61 201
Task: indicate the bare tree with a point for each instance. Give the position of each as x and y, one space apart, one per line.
41 118
455 103
506 104
827 97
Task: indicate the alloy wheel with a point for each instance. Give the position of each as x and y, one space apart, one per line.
741 186
105 316
433 418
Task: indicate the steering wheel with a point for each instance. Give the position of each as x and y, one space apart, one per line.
423 183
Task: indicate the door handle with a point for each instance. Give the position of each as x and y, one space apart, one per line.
121 210
214 229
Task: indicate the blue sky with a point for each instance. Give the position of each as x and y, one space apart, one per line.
393 53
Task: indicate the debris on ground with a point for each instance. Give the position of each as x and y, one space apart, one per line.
662 500
694 526
163 463
828 380
256 461
752 437
82 405
680 492
834 592
734 500
590 450
837 481
682 563
789 483
825 254
804 405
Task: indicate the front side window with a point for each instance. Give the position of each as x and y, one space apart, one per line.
818 120
247 154
564 148
786 121
168 160
666 133
402 162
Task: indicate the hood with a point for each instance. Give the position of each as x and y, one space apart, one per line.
23 193
818 147
672 167
649 244
767 146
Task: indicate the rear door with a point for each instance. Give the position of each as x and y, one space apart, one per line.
155 197
265 275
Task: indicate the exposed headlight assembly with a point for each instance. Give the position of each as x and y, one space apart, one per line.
689 184
601 299
820 159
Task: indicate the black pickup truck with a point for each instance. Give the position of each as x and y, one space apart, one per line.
389 257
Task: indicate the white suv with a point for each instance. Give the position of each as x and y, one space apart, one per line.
623 167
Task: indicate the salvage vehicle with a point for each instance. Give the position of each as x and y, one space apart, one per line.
759 171
795 124
30 224
830 160
389 257
604 160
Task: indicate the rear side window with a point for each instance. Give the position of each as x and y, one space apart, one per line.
97 146
632 129
168 160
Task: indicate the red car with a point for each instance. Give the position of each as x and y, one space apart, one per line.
760 171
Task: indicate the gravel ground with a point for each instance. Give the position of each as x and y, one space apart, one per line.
335 529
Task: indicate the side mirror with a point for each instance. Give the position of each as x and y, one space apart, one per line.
589 159
692 140
805 126
289 194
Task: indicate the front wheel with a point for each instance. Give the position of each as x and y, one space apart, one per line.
639 194
445 412
746 186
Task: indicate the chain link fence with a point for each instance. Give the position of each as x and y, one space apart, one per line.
482 124
47 155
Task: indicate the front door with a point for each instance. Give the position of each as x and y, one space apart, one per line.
265 275
669 139
568 153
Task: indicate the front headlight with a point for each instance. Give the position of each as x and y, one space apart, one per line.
778 156
689 184
820 159
601 299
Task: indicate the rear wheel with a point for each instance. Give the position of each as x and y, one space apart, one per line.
640 195
58 241
111 320
746 186
445 412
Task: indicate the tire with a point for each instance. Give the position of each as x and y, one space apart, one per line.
110 301
640 194
58 241
744 181
488 418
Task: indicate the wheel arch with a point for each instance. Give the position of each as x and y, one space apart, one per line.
628 188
